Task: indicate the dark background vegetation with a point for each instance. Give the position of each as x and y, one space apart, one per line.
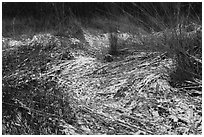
90 9
42 16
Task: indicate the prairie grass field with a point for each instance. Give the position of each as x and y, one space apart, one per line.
102 68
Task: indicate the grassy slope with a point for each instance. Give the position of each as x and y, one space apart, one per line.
55 84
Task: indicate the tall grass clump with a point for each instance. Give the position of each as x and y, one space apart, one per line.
187 50
176 27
